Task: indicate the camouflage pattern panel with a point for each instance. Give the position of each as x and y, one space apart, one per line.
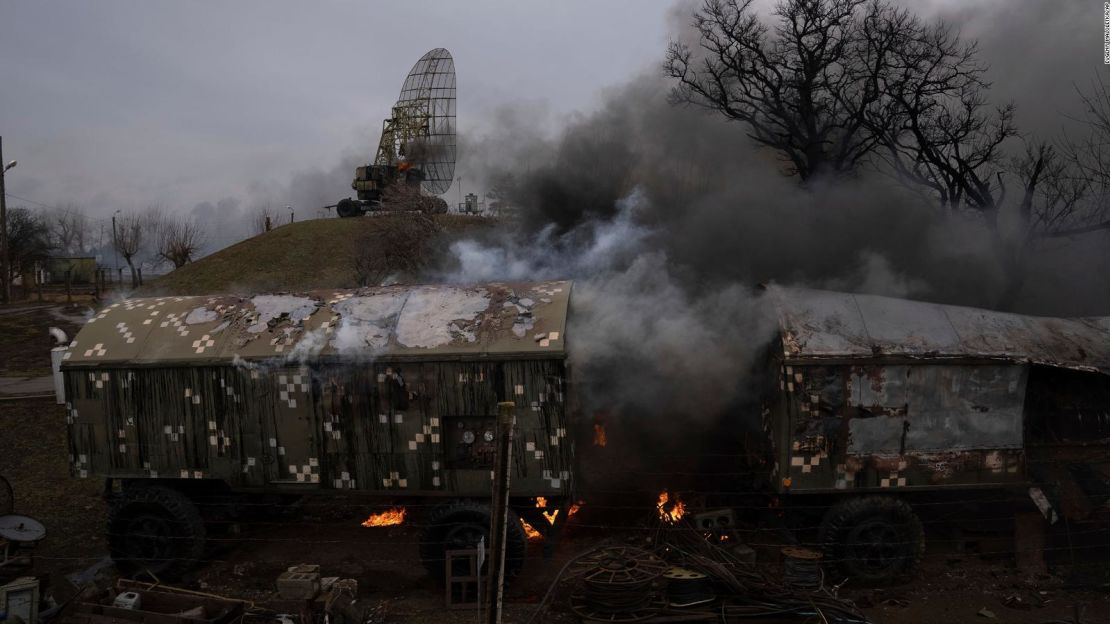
424 427
407 428
542 453
904 426
187 423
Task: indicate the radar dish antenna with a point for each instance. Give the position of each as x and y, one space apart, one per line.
420 135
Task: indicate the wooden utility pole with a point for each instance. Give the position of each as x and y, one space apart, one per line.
6 291
499 520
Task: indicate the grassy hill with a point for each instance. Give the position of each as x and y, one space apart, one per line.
298 256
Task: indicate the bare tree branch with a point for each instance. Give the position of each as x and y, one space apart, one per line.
179 241
128 238
809 87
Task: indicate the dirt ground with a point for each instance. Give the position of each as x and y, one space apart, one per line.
25 342
950 586
954 583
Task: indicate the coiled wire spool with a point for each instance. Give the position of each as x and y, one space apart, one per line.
618 584
801 568
686 588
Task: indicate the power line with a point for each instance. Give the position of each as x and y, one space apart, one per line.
29 201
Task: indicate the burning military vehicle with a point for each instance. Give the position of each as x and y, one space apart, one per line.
879 403
870 406
392 390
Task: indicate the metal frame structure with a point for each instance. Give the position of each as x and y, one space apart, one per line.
421 131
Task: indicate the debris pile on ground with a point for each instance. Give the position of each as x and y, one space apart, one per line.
683 573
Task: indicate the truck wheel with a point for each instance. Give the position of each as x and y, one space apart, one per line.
460 526
155 529
347 208
874 539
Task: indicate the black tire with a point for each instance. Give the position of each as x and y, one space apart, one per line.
873 539
459 526
347 208
155 529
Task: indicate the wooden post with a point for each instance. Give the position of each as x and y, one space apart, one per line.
5 267
69 281
499 520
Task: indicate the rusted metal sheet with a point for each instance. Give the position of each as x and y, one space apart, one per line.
898 426
929 408
817 324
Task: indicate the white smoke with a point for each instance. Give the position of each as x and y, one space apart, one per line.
640 336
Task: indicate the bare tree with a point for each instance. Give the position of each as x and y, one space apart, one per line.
947 140
808 87
399 246
1089 158
28 241
128 240
179 241
70 230
262 220
942 134
832 84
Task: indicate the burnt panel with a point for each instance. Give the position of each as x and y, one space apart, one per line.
965 407
1067 407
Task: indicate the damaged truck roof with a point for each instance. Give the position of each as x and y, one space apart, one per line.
388 322
818 324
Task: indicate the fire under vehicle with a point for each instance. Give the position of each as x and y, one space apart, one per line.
871 406
180 401
882 403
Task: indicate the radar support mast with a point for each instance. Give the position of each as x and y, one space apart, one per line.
415 160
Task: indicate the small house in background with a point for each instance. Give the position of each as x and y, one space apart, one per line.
82 270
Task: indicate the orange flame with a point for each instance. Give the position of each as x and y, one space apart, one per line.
670 511
599 435
386 518
530 532
541 503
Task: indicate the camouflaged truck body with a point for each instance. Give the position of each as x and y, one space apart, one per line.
883 394
390 389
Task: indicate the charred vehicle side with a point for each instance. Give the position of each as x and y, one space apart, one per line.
881 404
179 401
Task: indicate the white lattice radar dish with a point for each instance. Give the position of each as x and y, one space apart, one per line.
421 130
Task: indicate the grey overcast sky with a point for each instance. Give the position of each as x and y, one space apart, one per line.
123 103
120 103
